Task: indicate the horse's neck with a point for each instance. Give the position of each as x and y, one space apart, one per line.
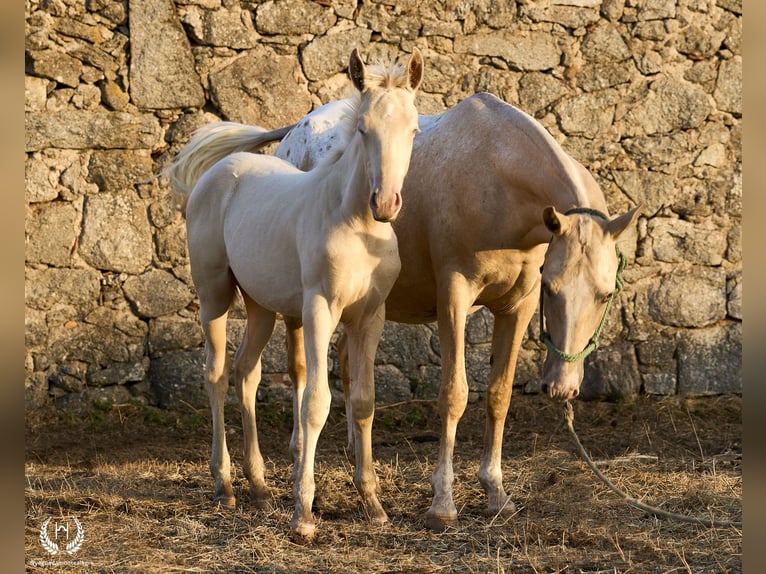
347 182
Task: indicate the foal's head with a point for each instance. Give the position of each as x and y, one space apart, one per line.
387 122
580 278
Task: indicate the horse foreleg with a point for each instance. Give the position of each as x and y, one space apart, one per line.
247 376
216 385
296 369
453 398
362 343
319 321
506 341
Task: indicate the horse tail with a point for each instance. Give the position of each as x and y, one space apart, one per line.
211 143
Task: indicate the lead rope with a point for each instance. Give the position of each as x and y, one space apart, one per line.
569 416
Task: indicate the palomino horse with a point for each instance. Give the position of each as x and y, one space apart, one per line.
493 205
317 247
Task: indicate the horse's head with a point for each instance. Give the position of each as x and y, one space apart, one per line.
580 278
387 122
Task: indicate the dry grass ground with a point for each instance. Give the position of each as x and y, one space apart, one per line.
138 481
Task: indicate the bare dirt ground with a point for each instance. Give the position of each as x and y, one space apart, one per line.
137 480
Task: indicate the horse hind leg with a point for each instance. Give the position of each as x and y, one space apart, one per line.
247 376
345 377
296 369
215 299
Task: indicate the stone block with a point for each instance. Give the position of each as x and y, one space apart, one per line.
612 374
261 88
689 298
677 241
51 233
162 68
534 51
173 333
728 87
57 66
117 171
156 293
116 235
178 378
86 130
391 385
659 383
293 17
45 288
710 361
668 106
328 55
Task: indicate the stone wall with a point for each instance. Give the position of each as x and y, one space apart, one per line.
646 93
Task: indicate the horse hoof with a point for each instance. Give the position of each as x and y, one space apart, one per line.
378 516
261 503
225 502
440 522
302 531
506 509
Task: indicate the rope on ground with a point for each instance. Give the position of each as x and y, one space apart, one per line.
569 415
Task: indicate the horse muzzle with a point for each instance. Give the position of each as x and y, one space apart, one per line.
385 208
561 381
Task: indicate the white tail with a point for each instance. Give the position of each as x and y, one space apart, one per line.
211 143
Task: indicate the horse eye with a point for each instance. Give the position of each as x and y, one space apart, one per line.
605 298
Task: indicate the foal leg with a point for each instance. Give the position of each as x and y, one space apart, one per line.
506 341
455 300
215 298
319 321
345 378
247 376
362 343
296 369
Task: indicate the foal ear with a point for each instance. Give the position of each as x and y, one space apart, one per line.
356 70
619 224
554 221
415 69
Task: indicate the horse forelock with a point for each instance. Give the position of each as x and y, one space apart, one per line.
386 77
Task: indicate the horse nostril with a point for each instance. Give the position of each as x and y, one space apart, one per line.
575 393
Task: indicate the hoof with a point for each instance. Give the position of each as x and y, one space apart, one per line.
261 503
506 510
302 531
377 517
260 499
225 502
440 522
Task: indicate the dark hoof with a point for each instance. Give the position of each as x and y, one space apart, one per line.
440 523
225 502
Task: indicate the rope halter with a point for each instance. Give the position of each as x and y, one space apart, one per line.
619 285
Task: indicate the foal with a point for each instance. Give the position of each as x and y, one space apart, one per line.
316 247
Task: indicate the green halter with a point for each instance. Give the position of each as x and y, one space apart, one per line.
619 284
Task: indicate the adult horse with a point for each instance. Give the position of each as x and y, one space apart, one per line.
495 208
317 247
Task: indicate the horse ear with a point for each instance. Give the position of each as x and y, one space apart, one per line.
415 69
554 220
619 224
356 70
